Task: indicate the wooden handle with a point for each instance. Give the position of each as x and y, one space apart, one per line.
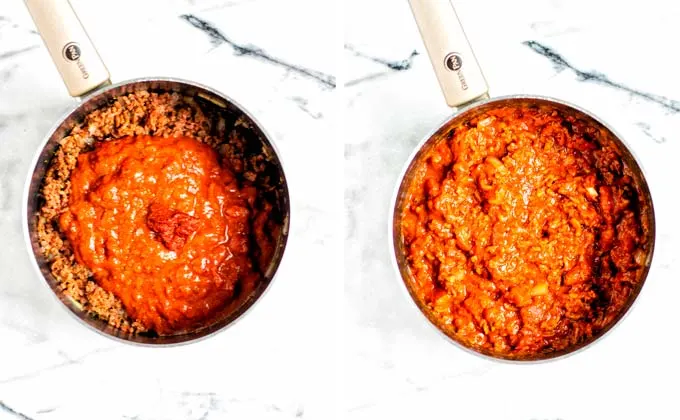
455 65
73 53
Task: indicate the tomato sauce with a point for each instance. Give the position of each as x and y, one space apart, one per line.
164 227
525 232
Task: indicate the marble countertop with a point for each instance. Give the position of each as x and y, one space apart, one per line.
609 57
370 352
277 362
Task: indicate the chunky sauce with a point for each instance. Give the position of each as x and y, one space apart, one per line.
525 232
163 227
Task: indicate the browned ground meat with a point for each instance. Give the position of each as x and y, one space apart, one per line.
140 113
525 232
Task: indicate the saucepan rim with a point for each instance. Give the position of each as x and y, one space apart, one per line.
394 236
164 341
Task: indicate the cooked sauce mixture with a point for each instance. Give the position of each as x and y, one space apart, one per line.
525 232
164 227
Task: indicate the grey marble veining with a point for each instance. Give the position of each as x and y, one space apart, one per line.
275 58
560 63
217 38
577 51
53 368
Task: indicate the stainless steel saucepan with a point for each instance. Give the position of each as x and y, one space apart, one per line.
87 79
464 87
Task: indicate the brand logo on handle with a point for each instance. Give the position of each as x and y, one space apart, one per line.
71 52
454 62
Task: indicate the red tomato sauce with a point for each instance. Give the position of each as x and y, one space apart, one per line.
525 232
164 227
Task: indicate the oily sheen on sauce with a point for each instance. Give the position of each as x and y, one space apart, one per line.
163 226
525 232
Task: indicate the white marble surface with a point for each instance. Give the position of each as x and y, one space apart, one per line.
397 366
282 360
277 362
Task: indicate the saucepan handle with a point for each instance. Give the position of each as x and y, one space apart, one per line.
71 49
455 65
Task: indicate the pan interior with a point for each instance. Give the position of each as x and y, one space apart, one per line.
440 135
210 102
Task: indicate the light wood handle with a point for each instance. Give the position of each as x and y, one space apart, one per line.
455 65
73 53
